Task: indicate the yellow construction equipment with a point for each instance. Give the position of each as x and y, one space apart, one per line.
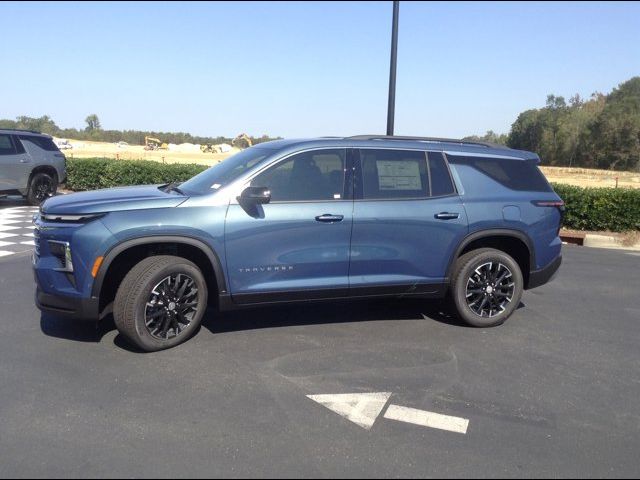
242 141
210 148
151 143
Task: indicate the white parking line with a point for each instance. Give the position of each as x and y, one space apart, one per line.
359 408
427 419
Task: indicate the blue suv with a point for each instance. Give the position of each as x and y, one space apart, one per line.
304 220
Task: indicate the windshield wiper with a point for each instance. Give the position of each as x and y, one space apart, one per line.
173 186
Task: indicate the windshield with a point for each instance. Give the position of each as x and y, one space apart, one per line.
224 172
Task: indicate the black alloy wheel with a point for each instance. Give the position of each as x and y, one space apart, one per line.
171 307
490 289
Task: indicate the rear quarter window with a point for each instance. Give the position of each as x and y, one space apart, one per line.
520 175
45 143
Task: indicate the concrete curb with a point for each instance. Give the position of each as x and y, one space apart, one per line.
606 241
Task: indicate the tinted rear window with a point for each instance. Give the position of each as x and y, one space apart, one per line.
514 174
44 143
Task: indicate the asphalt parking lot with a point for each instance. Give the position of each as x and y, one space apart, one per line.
552 393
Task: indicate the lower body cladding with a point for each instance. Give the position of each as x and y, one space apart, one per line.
73 307
544 275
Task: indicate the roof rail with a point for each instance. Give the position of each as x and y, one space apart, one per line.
425 139
20 130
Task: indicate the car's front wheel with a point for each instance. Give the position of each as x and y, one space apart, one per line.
486 287
161 302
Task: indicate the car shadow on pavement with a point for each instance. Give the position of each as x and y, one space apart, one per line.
11 202
311 313
78 331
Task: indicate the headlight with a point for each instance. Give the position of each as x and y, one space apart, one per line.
70 218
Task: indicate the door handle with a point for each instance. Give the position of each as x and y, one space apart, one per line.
447 216
328 218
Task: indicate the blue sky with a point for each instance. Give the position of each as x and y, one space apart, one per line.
306 68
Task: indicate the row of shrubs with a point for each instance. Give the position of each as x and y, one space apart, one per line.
95 173
613 209
597 209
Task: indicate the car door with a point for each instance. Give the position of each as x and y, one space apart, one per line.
15 164
296 246
407 222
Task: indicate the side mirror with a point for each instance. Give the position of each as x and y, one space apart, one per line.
255 195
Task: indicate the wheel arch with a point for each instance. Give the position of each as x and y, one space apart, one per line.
120 258
48 169
515 243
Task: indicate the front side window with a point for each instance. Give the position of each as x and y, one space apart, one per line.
225 172
317 175
6 145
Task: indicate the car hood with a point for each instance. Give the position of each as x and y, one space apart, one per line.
112 200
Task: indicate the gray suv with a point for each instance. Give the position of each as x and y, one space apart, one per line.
31 165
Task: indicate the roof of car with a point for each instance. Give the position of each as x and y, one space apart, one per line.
424 143
22 131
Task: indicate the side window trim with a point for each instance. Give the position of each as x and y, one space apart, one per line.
426 156
347 183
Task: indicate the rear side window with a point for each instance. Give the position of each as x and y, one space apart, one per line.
394 174
6 145
441 183
398 174
45 143
518 175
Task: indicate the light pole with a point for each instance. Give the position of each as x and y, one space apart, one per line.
391 108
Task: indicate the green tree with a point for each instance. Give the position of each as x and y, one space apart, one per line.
489 137
613 139
42 124
93 123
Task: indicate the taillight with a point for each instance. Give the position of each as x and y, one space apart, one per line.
548 203
559 204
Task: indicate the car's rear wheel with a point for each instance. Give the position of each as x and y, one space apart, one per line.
42 186
161 302
486 287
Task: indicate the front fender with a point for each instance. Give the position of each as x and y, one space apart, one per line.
201 227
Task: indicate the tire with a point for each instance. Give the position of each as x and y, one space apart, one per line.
41 187
140 315
501 299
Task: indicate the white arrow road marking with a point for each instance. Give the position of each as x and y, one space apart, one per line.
427 419
360 408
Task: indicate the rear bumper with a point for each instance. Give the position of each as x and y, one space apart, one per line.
70 307
544 275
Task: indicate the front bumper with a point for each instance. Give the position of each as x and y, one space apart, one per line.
76 308
544 275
